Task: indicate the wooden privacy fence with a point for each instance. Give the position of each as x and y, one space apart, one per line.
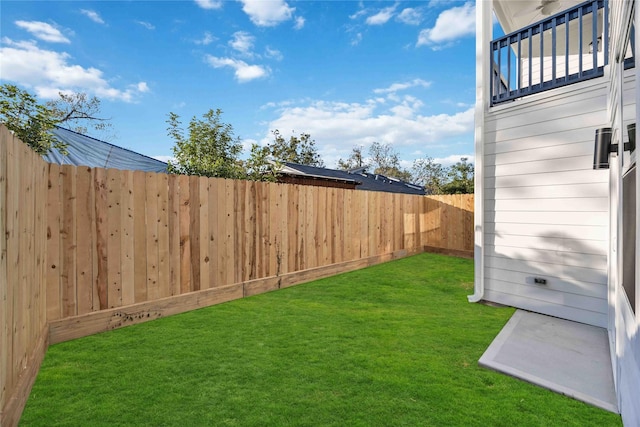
90 249
23 322
117 238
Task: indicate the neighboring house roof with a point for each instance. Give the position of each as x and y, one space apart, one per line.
364 180
86 151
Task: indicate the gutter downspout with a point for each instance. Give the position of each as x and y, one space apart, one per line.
483 66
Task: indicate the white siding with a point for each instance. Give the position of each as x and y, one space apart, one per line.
546 209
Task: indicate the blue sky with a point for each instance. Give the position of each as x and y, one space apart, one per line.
347 72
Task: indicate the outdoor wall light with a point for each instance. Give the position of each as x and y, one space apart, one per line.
603 146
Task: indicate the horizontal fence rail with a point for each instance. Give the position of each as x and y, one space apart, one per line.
89 249
563 49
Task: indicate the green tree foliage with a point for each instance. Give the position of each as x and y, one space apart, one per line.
456 179
297 149
355 160
386 162
259 166
431 175
264 162
30 121
460 177
209 149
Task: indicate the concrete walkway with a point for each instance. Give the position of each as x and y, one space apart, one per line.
567 357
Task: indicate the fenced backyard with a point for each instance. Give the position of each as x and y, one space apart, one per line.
88 250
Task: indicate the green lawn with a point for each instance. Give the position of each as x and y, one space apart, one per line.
391 345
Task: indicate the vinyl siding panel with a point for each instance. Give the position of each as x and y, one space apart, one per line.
546 209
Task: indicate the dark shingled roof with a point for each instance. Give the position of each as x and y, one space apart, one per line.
367 181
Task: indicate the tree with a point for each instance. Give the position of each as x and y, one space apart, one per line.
297 149
431 175
460 178
264 162
33 122
386 162
355 160
77 110
259 167
209 149
30 121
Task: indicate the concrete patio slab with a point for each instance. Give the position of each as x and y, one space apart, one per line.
566 357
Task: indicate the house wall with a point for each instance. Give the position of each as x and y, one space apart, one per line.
625 323
546 209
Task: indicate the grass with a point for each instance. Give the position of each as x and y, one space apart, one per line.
395 344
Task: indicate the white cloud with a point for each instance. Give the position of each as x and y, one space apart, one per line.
207 39
209 4
267 13
299 23
273 54
242 42
410 16
43 31
381 17
93 15
147 25
451 24
358 14
455 158
142 87
339 126
395 87
49 72
356 39
243 72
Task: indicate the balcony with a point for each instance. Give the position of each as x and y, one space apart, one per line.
560 50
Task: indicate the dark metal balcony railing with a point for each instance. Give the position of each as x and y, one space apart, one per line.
563 49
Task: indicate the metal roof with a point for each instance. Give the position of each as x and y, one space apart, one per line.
86 151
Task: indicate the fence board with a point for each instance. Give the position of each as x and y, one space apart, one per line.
68 234
174 235
151 236
85 211
54 310
127 238
203 196
114 238
230 262
164 275
194 230
213 236
102 233
274 230
185 236
140 237
237 188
